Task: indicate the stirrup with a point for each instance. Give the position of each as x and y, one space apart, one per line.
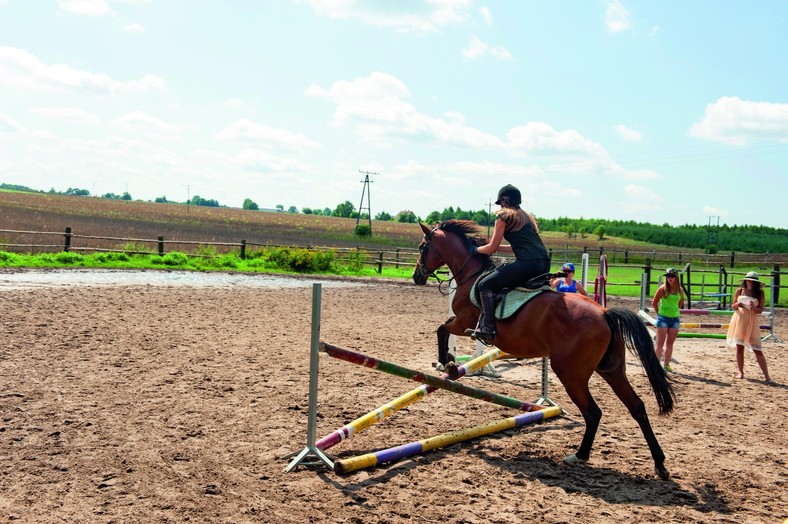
481 336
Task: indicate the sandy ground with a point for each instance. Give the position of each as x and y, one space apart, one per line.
161 403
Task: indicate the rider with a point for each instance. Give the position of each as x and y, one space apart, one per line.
519 229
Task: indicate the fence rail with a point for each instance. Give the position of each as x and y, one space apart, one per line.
406 257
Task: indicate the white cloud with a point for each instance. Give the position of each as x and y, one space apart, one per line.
9 126
655 31
85 7
134 28
266 162
617 18
375 108
485 12
21 69
714 211
639 198
477 49
246 130
423 17
139 122
737 121
71 114
539 136
628 134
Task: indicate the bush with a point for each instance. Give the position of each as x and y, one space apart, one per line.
67 257
363 230
356 260
173 258
299 259
7 257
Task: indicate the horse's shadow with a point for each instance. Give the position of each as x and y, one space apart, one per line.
612 486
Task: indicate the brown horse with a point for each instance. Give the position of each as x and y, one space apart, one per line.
577 334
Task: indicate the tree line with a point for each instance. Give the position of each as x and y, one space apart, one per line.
713 239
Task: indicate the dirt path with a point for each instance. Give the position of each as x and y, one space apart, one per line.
145 403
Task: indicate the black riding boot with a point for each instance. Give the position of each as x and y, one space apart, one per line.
485 331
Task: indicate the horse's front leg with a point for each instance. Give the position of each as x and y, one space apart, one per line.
444 356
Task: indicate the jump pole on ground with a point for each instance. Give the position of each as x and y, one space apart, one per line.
400 402
355 357
421 446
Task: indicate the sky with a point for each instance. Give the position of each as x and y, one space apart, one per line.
665 112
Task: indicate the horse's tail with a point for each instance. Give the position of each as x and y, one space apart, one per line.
626 325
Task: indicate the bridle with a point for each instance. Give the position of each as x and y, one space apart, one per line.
424 248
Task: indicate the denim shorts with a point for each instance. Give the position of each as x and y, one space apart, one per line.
668 322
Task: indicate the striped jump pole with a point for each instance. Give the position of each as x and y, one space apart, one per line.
398 403
354 357
446 439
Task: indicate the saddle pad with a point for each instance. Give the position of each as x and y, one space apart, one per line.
514 299
511 300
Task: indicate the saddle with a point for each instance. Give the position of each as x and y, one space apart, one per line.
510 300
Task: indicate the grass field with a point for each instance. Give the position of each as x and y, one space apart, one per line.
115 221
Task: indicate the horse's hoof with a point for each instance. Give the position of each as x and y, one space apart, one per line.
453 370
662 473
572 460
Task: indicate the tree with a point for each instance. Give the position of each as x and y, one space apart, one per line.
77 192
250 205
600 232
126 196
327 212
162 200
308 211
197 200
280 207
408 217
383 216
345 209
292 209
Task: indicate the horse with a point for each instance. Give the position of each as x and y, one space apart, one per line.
578 335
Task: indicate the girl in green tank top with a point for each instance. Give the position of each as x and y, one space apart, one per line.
668 301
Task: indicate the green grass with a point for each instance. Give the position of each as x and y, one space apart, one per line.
622 281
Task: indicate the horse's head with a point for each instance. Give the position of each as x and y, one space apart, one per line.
429 259
449 244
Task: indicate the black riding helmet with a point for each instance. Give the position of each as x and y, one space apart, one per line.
511 193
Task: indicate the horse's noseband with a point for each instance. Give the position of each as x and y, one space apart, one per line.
425 247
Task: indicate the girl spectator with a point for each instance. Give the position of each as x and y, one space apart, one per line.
568 284
667 302
744 329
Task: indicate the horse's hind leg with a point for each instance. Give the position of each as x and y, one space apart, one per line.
576 386
623 389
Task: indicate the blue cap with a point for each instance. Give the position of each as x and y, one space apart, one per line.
568 267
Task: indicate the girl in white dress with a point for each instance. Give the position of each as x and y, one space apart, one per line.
744 329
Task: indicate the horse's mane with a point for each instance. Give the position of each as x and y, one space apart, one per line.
464 229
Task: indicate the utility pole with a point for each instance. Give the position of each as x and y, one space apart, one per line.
365 191
711 236
489 215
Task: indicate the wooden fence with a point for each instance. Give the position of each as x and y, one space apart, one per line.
721 290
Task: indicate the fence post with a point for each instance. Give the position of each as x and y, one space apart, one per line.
776 278
396 265
67 244
380 262
647 272
243 249
731 258
688 288
161 246
626 256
